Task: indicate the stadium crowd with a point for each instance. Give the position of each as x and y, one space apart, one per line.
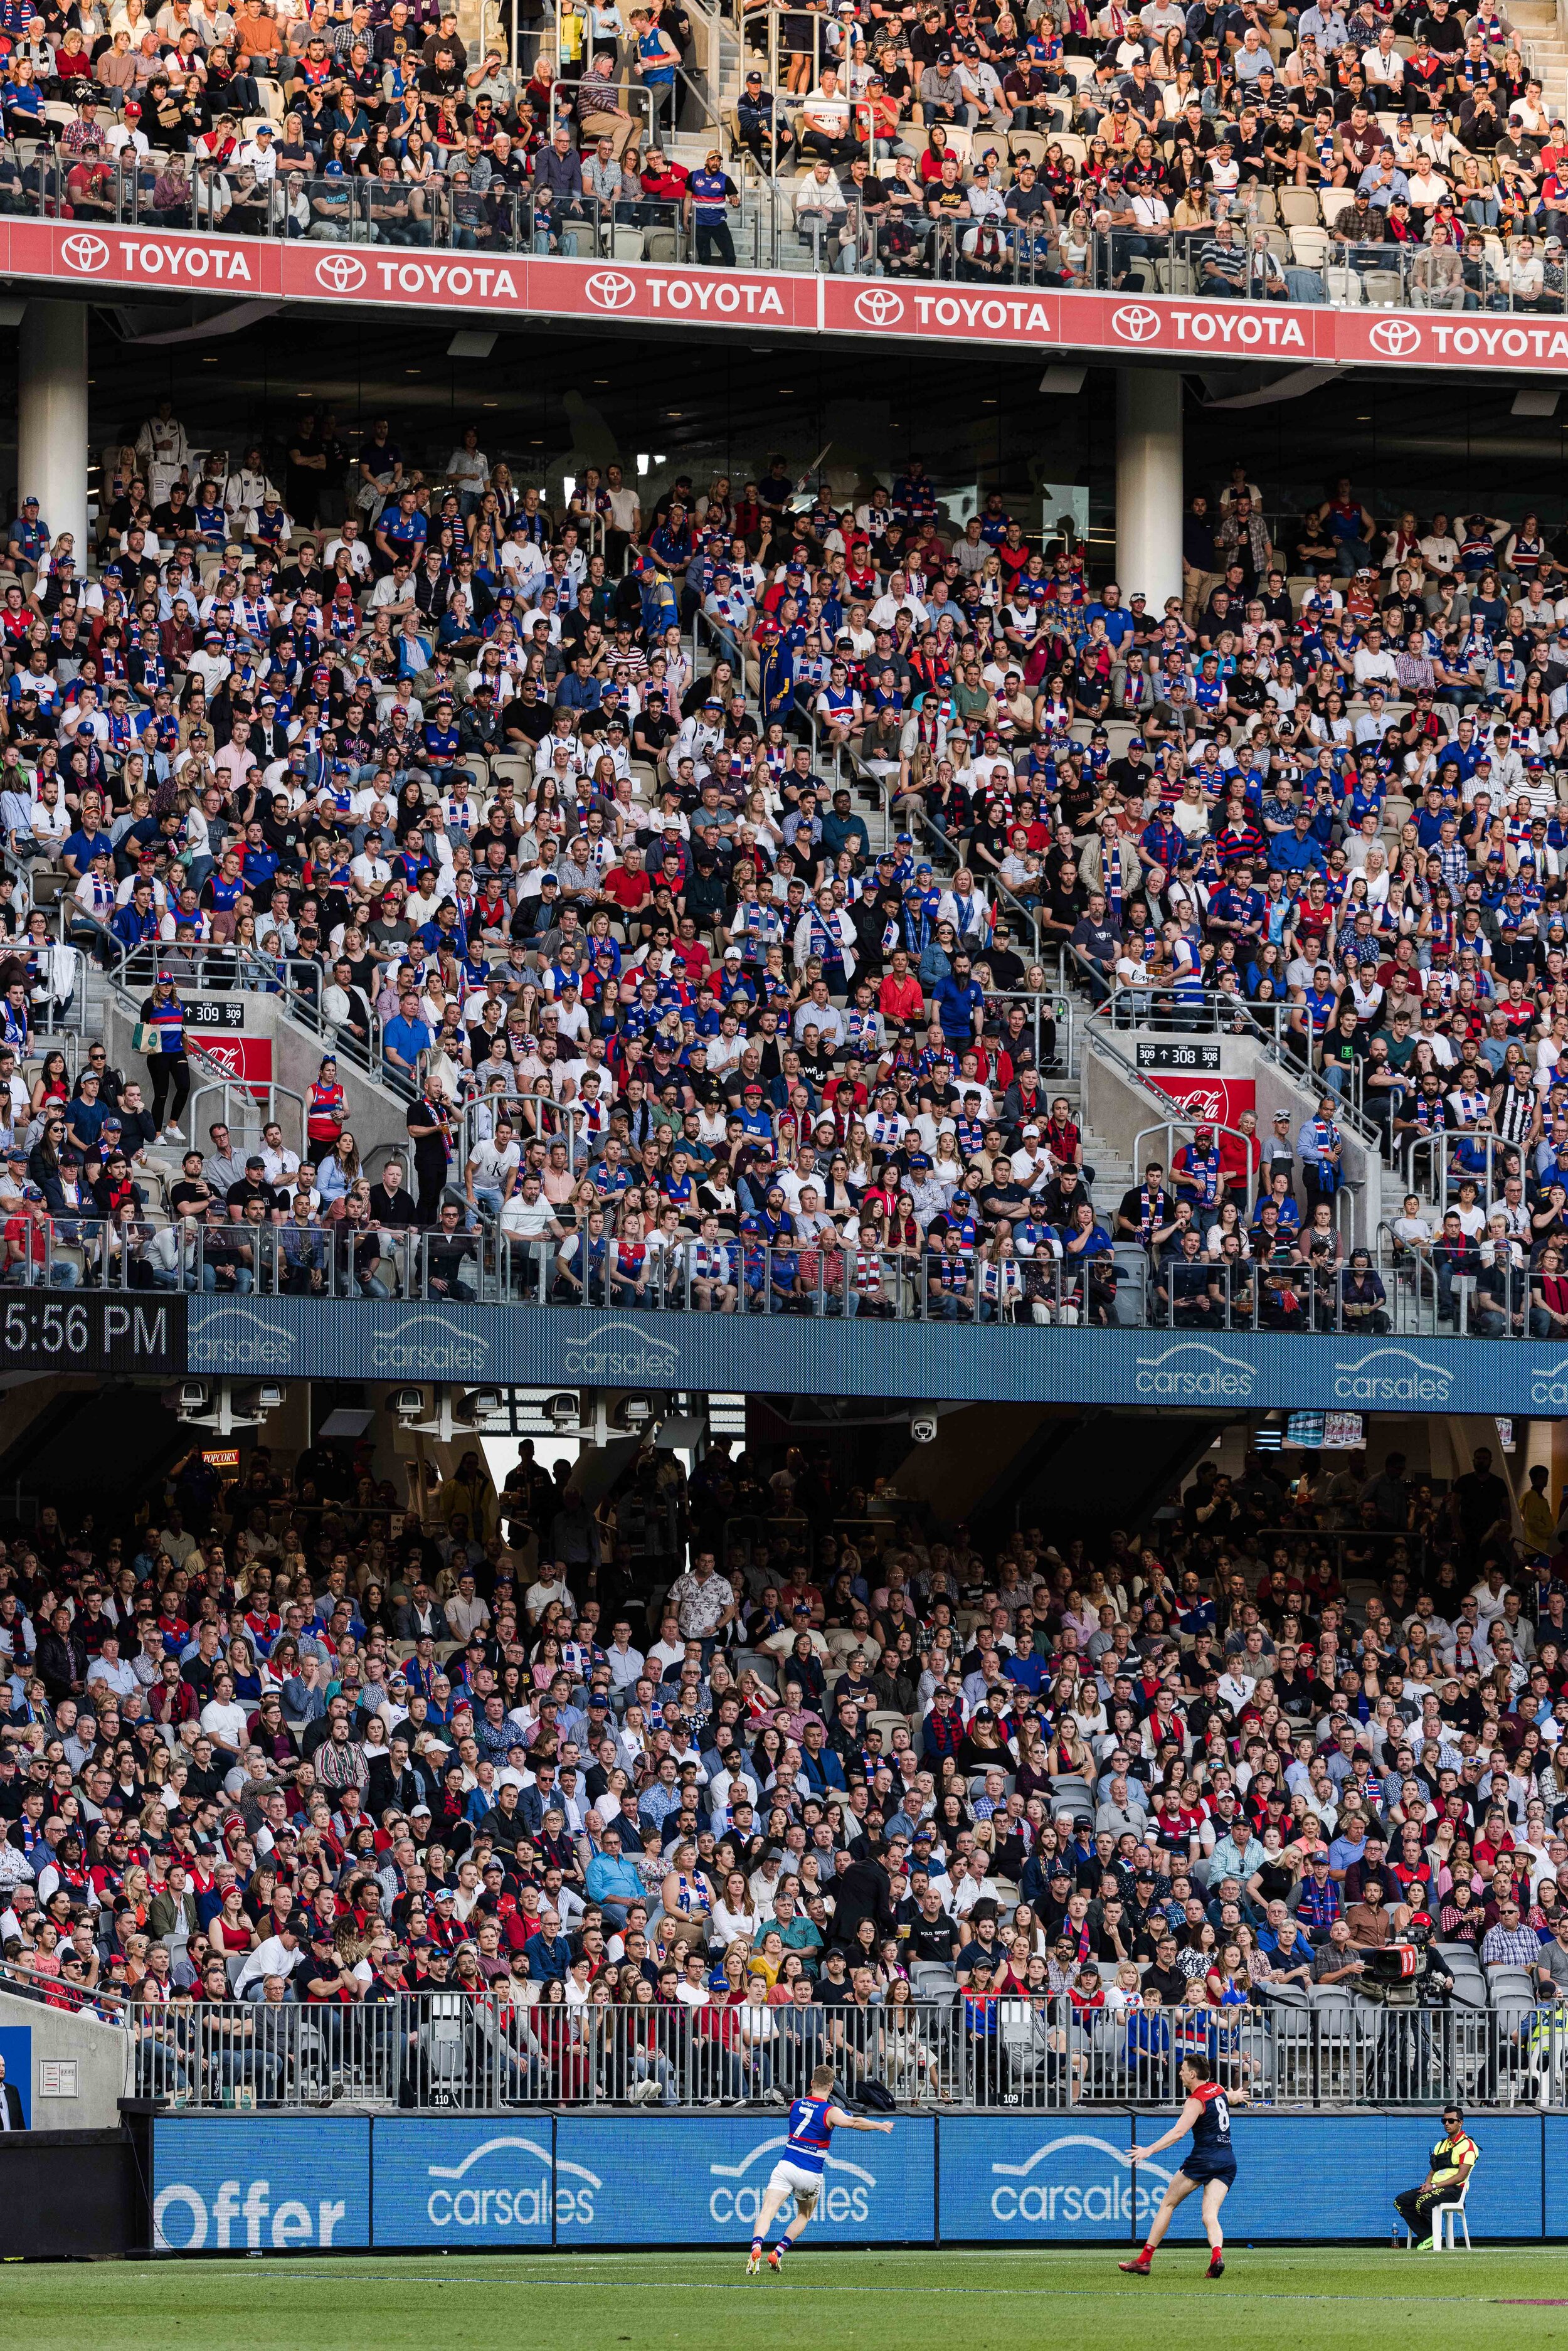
570 824
1375 152
771 1775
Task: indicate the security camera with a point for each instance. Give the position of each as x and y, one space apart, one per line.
564 1411
632 1413
923 1427
479 1403
223 1405
259 1400
408 1404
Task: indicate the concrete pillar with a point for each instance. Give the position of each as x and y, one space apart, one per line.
51 419
1149 483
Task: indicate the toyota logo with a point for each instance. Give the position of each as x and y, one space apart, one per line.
341 273
85 254
608 290
879 306
1135 324
1396 338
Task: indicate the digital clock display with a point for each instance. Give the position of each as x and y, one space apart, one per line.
60 1331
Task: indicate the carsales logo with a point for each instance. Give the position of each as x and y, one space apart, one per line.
879 306
86 255
1396 338
340 273
846 2203
1080 2179
607 290
1135 324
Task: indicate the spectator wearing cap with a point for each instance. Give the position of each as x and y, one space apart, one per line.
942 95
1510 1943
762 131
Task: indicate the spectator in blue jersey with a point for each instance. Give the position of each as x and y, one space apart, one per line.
163 1041
1148 2035
1320 1901
709 192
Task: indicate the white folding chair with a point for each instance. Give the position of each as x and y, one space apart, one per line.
1449 2218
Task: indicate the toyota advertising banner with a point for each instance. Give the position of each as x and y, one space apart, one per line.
870 309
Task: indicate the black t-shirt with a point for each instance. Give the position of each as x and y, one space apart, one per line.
1482 1499
1169 1982
1079 799
1064 906
1132 1207
429 1150
1275 1879
239 1196
934 1939
532 720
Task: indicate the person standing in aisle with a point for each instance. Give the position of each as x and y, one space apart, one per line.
161 1038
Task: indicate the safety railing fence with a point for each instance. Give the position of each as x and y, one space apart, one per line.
1035 1275
1238 255
341 1259
1439 1164
1052 1020
197 966
226 968
1027 915
1269 1026
454 212
1161 1005
1177 1133
57 994
566 95
1348 1546
535 1114
1271 1292
477 2047
247 1107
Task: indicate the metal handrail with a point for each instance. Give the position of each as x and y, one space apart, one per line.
476 2047
241 971
1174 1123
1119 1287
1344 276
255 1096
1294 1070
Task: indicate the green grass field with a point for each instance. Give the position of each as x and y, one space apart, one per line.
1360 2301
